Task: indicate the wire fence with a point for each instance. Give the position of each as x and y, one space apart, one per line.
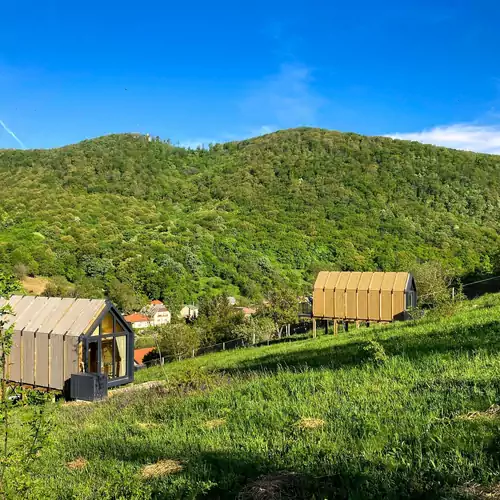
285 335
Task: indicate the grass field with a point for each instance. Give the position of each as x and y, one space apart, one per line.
404 411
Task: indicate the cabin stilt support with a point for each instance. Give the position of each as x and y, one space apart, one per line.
335 327
314 327
326 326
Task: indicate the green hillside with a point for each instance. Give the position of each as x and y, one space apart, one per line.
122 214
404 411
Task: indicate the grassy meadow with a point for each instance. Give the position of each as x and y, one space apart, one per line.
403 411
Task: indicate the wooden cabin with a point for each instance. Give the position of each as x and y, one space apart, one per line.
363 297
55 338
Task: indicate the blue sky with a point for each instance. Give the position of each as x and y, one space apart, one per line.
200 72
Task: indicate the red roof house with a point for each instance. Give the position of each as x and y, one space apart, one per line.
140 353
136 318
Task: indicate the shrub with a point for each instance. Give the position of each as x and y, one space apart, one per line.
375 352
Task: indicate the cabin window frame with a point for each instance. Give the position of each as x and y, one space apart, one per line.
125 331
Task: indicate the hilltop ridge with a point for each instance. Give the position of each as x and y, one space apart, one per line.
148 217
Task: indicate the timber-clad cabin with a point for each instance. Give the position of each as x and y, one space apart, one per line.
55 338
367 296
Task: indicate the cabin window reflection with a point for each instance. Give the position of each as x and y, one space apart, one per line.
107 324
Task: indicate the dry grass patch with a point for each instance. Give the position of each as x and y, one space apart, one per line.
213 424
34 286
154 384
478 492
161 468
77 464
310 423
491 412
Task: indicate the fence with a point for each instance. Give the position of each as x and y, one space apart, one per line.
285 335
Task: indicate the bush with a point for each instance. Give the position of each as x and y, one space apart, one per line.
375 352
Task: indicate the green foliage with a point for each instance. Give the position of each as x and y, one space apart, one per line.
217 319
433 284
178 340
375 352
281 307
9 284
244 217
255 329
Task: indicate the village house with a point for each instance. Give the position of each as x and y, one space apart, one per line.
155 314
189 312
247 311
158 313
137 321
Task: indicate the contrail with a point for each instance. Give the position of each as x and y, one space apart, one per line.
9 131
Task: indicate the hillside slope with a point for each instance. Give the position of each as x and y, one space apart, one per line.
404 411
244 216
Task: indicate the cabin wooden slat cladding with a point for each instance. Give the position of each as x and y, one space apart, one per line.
54 337
363 296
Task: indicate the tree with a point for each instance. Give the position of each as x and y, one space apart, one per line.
255 329
178 340
282 307
218 319
433 284
58 286
124 296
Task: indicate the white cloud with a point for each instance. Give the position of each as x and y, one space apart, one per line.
286 99
469 137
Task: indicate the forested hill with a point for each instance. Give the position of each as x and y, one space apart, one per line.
124 213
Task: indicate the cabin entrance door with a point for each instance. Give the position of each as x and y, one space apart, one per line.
93 356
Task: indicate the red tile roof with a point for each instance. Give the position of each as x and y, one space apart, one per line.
135 318
157 302
140 353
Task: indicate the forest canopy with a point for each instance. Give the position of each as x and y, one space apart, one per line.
133 217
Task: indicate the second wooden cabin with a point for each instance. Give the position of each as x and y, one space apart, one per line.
363 297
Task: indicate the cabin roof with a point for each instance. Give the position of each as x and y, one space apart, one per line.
54 315
347 280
